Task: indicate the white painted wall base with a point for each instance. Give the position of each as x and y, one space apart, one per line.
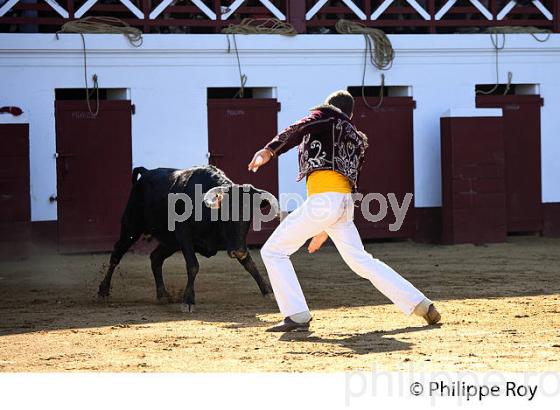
168 76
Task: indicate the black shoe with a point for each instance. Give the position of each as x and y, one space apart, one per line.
288 325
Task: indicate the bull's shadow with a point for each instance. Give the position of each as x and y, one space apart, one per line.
42 315
376 341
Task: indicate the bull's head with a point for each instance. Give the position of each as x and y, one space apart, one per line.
238 207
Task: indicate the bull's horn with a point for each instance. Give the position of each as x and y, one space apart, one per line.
214 196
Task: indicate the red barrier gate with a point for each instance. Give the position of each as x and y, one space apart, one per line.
237 128
522 137
473 187
15 208
94 161
389 164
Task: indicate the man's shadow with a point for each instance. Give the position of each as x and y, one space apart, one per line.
376 341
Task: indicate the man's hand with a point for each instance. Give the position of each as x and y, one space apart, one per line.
260 158
317 242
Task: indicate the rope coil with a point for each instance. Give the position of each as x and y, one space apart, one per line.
103 25
495 32
99 25
254 26
242 77
261 26
533 31
378 45
379 49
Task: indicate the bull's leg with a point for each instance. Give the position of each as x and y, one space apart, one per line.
124 243
157 257
250 267
192 270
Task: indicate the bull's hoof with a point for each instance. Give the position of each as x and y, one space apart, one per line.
103 293
164 298
186 308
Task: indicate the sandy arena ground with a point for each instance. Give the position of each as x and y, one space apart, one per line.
500 306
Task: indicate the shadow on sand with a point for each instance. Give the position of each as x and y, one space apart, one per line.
377 341
58 292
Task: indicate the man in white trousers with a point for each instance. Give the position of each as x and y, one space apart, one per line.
331 153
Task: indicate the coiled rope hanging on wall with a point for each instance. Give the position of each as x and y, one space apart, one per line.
495 33
242 77
99 25
378 48
104 25
533 31
254 26
261 26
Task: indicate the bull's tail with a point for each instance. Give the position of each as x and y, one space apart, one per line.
136 172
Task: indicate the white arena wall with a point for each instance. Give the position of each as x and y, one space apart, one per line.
168 76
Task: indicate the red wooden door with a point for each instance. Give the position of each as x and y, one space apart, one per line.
237 128
473 184
94 162
522 139
389 163
14 173
15 208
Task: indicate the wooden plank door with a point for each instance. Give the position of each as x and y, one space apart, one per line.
94 161
473 183
15 204
14 173
389 164
522 139
237 128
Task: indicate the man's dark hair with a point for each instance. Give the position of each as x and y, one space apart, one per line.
342 100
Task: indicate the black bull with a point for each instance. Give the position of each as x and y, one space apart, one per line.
147 213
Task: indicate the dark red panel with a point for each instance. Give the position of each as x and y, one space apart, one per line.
14 173
296 15
389 164
476 225
522 137
44 233
14 167
14 140
428 225
551 219
237 128
93 173
15 204
473 185
15 240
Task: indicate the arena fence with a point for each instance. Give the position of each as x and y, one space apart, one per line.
307 16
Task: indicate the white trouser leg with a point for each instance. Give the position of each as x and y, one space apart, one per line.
312 217
349 244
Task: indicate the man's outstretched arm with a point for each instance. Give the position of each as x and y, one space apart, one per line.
260 158
287 139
